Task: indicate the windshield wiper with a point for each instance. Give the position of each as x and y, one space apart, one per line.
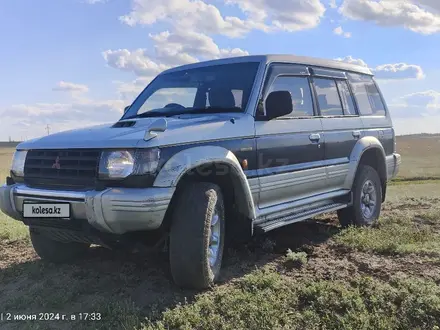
156 113
169 113
213 110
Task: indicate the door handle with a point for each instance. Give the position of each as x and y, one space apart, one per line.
315 137
356 134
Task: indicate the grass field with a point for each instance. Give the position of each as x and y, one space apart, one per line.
421 156
310 275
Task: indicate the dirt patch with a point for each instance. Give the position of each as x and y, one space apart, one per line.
16 252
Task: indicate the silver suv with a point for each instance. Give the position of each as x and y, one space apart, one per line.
208 153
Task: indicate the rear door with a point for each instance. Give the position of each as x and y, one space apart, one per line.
342 126
290 149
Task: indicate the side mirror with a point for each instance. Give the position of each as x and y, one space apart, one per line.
278 104
126 109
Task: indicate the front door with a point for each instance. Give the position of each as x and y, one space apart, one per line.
290 149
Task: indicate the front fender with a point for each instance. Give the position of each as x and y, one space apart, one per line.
182 162
364 144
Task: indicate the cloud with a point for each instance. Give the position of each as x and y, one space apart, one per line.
417 105
185 14
433 5
130 90
352 60
396 71
421 17
136 61
332 4
170 49
340 32
64 86
428 99
187 47
61 116
283 15
197 15
93 2
399 71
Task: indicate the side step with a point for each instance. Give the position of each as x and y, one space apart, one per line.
299 216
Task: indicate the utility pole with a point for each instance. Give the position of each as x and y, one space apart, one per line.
48 129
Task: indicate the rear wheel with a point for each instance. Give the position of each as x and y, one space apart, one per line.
54 251
197 236
367 199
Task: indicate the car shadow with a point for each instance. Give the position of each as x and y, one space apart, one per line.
142 281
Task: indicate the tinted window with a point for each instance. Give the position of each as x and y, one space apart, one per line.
347 99
328 97
367 96
299 88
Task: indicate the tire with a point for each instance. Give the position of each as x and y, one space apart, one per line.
366 179
54 251
197 206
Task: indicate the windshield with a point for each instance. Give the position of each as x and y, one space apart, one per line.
211 89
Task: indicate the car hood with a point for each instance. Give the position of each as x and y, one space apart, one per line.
180 129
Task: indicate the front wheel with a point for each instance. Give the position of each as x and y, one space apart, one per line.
197 236
367 199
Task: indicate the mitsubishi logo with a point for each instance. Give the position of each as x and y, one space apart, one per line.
57 164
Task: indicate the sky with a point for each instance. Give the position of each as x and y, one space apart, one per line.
73 63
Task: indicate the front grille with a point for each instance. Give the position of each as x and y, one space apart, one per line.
75 168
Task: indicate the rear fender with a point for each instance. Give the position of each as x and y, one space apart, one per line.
364 144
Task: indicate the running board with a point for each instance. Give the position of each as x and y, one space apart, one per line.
300 216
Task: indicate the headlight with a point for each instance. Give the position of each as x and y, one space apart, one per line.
18 161
119 164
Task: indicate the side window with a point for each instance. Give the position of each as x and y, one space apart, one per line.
299 88
328 97
347 99
367 96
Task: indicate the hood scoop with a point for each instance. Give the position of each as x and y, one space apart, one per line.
121 124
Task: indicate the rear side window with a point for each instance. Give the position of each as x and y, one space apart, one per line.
346 98
328 97
367 95
299 89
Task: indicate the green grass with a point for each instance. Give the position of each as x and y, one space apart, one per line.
399 233
11 230
420 156
295 259
414 180
267 300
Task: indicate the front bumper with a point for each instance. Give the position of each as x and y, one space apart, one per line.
114 210
393 165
